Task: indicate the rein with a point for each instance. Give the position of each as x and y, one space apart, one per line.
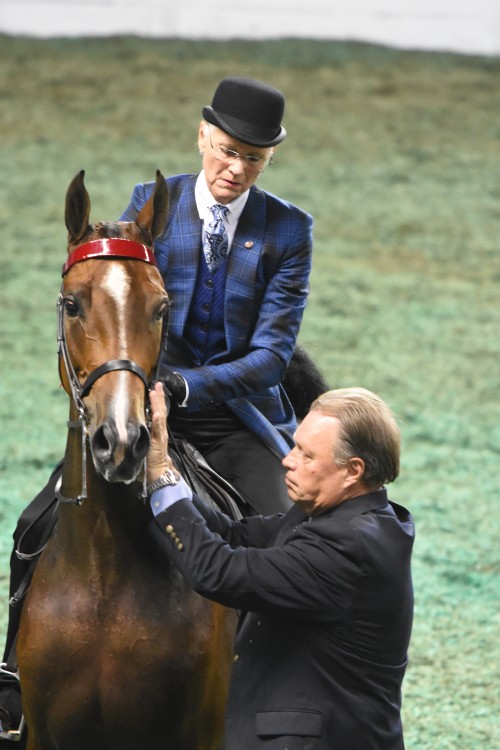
102 248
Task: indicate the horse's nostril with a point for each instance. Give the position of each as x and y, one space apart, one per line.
143 440
104 441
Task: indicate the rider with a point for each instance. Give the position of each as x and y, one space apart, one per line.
233 327
231 341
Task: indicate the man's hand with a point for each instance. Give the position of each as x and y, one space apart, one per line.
158 459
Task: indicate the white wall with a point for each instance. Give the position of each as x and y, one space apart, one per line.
468 26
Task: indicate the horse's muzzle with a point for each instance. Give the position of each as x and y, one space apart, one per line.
119 460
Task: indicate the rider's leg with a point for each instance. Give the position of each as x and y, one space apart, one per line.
32 528
236 454
252 469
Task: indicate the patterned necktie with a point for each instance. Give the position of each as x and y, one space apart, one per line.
215 245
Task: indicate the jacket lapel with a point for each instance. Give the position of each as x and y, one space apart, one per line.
184 233
243 263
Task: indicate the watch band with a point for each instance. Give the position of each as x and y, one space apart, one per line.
167 478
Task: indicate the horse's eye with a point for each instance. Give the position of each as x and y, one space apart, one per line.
162 310
70 307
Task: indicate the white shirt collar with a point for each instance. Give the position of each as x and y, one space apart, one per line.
204 200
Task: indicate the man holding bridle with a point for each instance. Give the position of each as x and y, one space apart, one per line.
324 591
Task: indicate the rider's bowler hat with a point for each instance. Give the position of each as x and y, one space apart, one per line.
248 110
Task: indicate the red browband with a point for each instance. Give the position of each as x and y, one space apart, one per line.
109 248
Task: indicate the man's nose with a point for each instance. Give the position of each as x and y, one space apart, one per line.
237 166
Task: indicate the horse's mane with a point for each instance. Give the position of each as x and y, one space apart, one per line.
303 382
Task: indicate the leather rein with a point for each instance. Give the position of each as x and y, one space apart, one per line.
102 248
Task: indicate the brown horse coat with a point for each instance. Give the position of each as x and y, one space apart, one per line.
115 650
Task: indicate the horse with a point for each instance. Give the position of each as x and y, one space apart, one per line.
114 649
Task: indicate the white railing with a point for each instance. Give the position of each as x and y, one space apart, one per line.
470 26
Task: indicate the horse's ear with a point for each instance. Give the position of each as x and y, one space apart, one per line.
77 211
153 215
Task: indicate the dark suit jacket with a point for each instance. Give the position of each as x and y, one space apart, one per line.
321 650
266 290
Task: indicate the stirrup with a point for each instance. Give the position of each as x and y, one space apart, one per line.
11 678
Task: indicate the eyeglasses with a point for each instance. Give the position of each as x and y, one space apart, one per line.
252 162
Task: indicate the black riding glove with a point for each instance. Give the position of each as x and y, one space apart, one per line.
174 384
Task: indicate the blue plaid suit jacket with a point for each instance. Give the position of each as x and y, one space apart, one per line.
266 290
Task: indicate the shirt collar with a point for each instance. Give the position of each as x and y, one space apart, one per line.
204 200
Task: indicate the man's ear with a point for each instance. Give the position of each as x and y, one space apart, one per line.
202 134
355 470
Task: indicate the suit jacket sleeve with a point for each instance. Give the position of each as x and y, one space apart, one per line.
237 564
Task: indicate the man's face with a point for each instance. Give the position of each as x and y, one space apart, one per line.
228 179
313 479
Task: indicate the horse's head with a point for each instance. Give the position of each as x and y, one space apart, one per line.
113 308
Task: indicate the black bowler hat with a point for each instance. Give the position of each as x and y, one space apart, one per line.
248 110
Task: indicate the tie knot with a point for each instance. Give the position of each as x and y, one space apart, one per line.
219 211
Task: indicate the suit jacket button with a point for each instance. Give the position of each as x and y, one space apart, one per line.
236 657
180 546
169 528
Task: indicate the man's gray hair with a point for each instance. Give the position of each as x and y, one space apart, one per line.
368 431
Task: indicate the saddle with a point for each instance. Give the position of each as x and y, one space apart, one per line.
205 482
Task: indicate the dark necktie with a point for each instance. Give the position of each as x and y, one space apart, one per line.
215 245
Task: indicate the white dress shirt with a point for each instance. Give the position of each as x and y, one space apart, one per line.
205 200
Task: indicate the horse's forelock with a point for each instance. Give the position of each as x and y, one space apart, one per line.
120 230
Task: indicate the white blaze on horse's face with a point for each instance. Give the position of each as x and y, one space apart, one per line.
117 284
113 320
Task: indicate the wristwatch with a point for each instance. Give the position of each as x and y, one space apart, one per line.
167 478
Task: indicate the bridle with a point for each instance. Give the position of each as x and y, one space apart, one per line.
102 248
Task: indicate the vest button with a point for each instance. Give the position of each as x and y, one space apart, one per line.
204 328
206 307
209 283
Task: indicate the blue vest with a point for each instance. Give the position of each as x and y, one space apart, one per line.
204 328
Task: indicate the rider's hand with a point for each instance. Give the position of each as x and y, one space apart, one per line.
175 384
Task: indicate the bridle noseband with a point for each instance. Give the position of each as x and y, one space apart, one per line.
102 248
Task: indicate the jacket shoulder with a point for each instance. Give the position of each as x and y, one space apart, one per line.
279 207
175 185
